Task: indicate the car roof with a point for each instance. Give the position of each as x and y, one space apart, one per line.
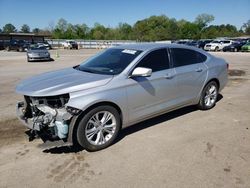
152 45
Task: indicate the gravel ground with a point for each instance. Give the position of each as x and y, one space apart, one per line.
184 148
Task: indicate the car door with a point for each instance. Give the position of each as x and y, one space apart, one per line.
191 73
150 95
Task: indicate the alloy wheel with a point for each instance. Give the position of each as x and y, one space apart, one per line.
211 95
100 128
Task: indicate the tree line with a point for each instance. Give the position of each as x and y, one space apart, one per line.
153 28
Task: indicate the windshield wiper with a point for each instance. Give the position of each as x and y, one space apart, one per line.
77 67
87 70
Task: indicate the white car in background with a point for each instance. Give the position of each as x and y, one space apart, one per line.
217 45
70 44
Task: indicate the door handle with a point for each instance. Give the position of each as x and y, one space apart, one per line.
198 69
168 76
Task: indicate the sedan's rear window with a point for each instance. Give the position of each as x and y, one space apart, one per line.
182 57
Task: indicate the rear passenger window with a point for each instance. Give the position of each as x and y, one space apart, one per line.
156 60
182 57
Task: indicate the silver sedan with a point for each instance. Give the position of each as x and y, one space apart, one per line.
90 103
36 53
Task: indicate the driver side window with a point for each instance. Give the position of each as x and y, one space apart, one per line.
156 60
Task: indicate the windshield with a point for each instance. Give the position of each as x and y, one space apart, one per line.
111 61
215 41
36 47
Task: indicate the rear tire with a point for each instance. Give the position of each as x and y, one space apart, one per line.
95 132
209 96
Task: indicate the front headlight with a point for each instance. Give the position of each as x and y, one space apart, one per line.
72 110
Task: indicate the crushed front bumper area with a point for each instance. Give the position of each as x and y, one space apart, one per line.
28 122
44 121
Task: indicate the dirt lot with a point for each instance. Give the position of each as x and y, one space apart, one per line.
185 148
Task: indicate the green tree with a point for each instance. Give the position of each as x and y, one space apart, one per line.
202 20
70 32
9 28
98 32
214 31
112 34
189 31
25 28
124 31
246 27
155 28
36 30
60 29
81 31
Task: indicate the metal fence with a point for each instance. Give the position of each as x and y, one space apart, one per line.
94 44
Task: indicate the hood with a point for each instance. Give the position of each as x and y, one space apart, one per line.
61 82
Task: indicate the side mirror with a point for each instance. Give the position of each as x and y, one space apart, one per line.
141 71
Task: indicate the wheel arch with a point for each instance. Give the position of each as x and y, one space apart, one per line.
76 119
213 79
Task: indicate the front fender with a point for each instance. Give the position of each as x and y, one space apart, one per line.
85 99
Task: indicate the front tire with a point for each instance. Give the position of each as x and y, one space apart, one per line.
209 96
98 128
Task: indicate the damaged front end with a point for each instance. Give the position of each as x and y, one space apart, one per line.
46 117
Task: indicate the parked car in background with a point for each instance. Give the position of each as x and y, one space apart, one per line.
45 44
37 53
192 43
70 44
201 43
246 47
196 43
90 103
234 47
181 41
217 45
18 45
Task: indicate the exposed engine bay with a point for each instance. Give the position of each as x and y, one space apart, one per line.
46 117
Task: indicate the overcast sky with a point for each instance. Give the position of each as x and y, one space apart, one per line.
41 13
